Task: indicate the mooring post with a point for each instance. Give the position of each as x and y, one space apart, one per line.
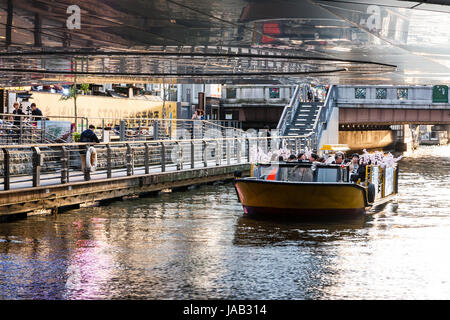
146 158
108 161
64 165
7 173
36 162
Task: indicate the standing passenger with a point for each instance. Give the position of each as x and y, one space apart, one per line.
87 135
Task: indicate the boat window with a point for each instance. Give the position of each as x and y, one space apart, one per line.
299 173
331 174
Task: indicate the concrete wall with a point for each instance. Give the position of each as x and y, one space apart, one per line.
257 94
95 107
331 134
359 140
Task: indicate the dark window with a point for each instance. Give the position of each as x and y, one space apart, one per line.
381 93
274 93
231 93
360 93
402 94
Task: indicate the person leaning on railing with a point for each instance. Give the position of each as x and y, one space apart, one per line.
87 135
35 111
17 111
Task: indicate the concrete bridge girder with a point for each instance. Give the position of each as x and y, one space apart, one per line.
393 116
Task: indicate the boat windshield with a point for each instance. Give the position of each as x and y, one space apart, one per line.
302 172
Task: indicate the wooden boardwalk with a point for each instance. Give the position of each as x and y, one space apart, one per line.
52 194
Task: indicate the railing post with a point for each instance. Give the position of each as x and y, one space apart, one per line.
155 130
43 129
103 130
108 161
238 150
248 149
129 160
218 152
6 168
179 156
122 130
163 157
36 161
192 155
87 171
146 159
64 165
205 154
21 131
228 151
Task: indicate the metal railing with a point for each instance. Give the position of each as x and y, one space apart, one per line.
28 129
36 165
289 112
311 139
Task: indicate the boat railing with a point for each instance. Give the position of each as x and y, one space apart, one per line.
383 179
300 172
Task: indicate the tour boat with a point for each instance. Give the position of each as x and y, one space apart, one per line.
295 189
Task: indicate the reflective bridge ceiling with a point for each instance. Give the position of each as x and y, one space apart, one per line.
224 41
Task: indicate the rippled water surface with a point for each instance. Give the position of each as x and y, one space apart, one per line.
197 245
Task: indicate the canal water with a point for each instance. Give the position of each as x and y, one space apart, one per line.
196 244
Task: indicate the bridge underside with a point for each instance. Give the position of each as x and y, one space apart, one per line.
391 116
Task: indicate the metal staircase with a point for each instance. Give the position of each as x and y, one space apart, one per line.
305 121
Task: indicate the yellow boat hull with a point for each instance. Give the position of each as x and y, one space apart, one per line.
262 197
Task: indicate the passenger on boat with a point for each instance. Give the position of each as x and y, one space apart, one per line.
314 157
357 169
280 159
301 156
291 158
339 158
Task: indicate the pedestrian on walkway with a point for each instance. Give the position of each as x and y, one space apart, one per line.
87 135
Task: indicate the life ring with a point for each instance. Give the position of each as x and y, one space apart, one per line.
91 159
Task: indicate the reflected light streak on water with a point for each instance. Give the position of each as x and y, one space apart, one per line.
197 245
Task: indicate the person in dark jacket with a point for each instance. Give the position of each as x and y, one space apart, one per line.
35 111
87 135
17 111
357 169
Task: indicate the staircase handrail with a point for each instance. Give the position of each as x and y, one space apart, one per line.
287 111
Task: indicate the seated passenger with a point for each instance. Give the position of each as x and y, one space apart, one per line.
291 158
314 157
357 169
301 156
339 158
280 159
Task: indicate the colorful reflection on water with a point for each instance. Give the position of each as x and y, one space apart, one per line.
197 245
